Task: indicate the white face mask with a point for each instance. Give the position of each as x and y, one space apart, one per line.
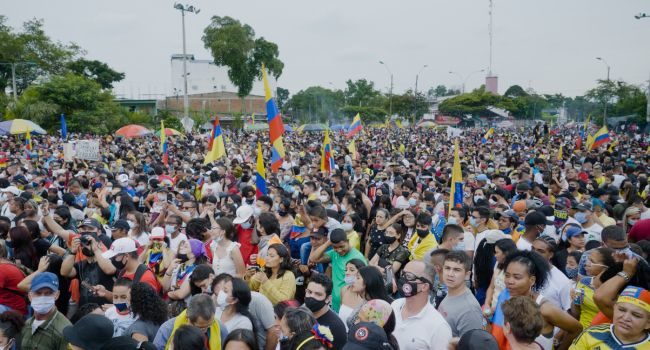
346 226
43 305
222 299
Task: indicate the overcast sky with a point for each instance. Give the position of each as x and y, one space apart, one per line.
547 45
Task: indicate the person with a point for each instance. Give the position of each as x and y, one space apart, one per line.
232 300
44 330
339 256
381 313
173 225
452 238
476 339
302 332
226 256
392 253
276 282
484 261
376 232
317 297
200 313
535 223
120 312
349 224
139 230
423 242
350 301
584 307
367 336
523 323
460 308
11 297
24 252
149 310
586 219
575 241
527 272
123 255
241 339
245 231
91 332
558 289
156 255
187 337
369 285
191 253
502 248
268 229
630 329
11 323
418 324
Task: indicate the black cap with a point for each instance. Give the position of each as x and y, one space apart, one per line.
90 332
121 225
535 218
366 335
477 339
92 223
585 206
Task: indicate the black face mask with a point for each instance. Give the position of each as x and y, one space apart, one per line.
182 257
572 188
389 240
119 265
87 252
314 305
407 288
422 233
282 213
405 194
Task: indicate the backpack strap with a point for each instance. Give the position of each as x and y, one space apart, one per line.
139 272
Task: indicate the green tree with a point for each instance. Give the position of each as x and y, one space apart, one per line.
97 71
282 96
408 105
316 103
474 103
440 91
515 91
234 45
360 92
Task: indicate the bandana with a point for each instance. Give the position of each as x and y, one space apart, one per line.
635 296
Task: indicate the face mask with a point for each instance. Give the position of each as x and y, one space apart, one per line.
572 272
407 288
314 305
472 221
140 188
162 198
581 217
492 202
389 239
572 188
286 178
295 194
119 265
422 233
169 229
346 226
182 257
412 202
131 224
507 230
257 211
478 198
631 222
246 225
282 213
452 220
405 194
43 305
324 199
349 280
343 208
222 299
459 246
250 201
121 307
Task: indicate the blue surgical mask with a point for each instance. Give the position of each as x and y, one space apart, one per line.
581 217
571 272
459 246
452 220
246 225
472 221
412 202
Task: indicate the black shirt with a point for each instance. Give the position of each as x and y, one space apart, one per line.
333 321
90 274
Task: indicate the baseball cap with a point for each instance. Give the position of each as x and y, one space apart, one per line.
492 236
366 335
477 339
90 332
123 178
584 206
636 296
121 225
120 246
509 214
574 231
90 222
482 177
321 232
535 218
45 280
243 214
12 189
157 233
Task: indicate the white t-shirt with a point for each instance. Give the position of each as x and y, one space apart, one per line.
558 289
174 242
426 330
593 233
523 244
120 322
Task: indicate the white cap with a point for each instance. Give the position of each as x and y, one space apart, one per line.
492 236
402 203
120 246
80 173
13 190
243 214
157 233
123 178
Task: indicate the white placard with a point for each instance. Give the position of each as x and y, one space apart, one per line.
87 149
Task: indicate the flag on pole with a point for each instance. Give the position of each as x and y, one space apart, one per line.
216 147
163 144
590 141
260 175
610 149
64 128
559 153
326 160
28 140
352 147
578 144
276 128
586 127
601 138
456 193
487 136
355 127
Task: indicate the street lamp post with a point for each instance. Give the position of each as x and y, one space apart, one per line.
605 108
641 15
464 79
390 91
13 75
186 103
415 92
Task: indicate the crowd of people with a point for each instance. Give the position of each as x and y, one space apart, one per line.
543 246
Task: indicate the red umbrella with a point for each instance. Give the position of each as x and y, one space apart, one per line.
132 130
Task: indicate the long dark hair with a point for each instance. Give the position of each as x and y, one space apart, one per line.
242 293
507 246
188 337
33 228
245 336
147 305
374 282
484 263
285 265
270 223
23 246
200 273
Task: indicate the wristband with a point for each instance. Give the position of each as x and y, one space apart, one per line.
624 275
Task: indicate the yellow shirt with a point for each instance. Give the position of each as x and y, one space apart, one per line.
353 239
606 220
418 247
276 289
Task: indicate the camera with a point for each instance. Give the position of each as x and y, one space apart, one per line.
84 240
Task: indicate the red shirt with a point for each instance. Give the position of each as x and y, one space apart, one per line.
10 295
148 277
247 248
640 231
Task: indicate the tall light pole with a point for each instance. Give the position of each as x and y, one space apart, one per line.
415 92
464 79
608 69
390 91
186 102
13 74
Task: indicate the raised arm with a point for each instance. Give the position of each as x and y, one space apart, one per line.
318 255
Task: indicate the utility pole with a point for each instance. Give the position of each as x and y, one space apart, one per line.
186 101
606 101
390 91
415 93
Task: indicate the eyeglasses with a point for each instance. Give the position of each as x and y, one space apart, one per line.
411 277
589 263
188 207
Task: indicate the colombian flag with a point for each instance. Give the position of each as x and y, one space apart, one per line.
498 322
216 148
355 126
276 128
456 193
260 175
28 140
487 135
163 144
601 138
326 160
